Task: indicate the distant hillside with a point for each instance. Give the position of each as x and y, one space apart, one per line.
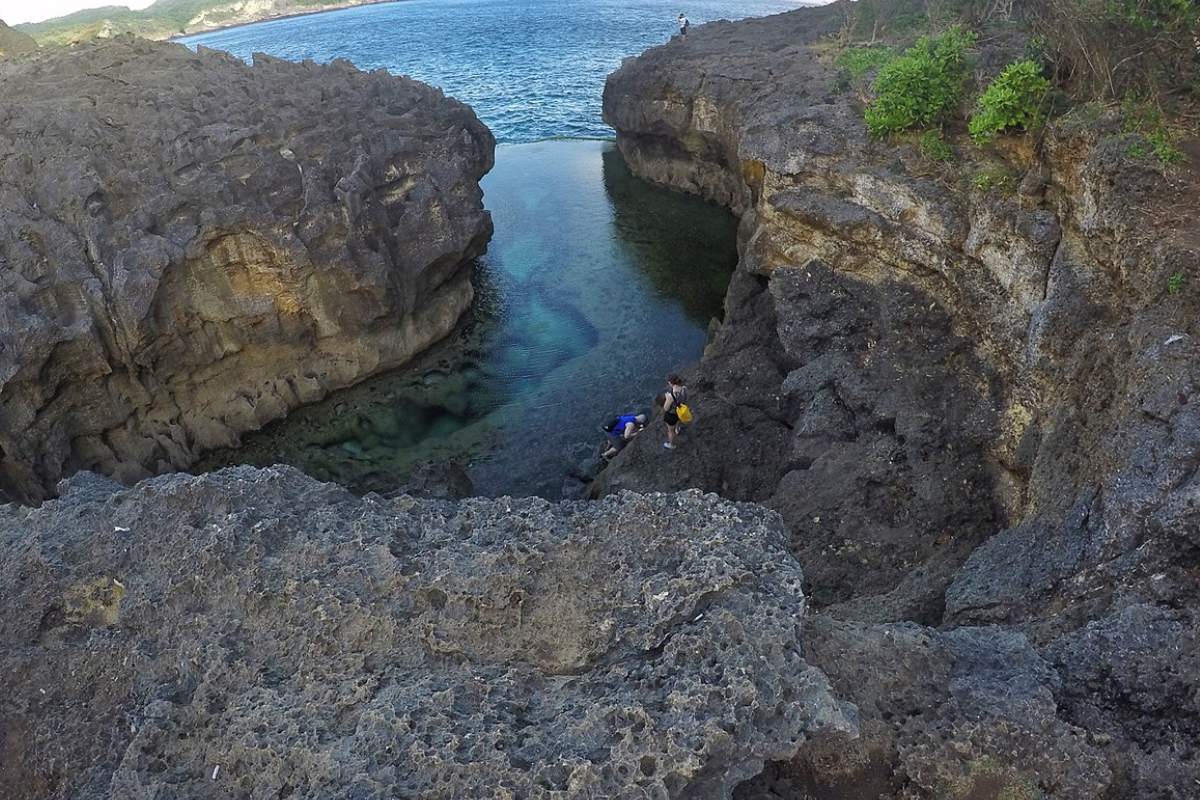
167 19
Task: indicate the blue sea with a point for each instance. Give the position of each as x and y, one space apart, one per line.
531 69
595 285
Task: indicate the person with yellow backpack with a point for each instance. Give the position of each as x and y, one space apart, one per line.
675 408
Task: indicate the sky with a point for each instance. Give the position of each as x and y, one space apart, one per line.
15 12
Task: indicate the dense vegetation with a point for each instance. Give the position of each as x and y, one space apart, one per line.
1136 59
922 86
1013 101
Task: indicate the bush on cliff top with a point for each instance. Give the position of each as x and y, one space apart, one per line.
923 85
1013 100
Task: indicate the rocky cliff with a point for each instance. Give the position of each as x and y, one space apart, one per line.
245 12
190 247
968 391
966 411
252 633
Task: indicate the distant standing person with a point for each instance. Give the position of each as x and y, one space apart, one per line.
675 394
683 26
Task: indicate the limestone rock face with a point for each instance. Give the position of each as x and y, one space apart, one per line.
255 633
841 361
972 403
191 247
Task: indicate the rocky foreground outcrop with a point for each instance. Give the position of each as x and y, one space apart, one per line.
971 405
253 633
191 247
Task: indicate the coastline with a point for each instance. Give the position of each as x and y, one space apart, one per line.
327 9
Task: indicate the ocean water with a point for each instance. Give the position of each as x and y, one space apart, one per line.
595 285
531 69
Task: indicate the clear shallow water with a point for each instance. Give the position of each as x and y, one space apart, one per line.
595 285
531 69
593 289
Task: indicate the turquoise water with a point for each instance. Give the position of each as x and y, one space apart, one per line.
595 285
593 289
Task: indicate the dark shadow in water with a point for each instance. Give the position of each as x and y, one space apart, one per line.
657 225
594 287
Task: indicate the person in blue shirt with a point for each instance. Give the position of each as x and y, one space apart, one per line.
620 432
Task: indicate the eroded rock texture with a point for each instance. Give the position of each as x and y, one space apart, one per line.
256 634
191 247
972 406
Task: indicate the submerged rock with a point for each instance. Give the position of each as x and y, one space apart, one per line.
254 632
191 247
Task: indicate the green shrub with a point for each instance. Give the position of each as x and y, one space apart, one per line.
922 86
1176 282
1166 146
1013 100
1136 150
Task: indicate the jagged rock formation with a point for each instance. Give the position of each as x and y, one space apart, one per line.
14 42
191 247
254 633
972 408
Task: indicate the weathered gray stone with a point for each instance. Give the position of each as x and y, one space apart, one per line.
255 633
972 410
191 247
1131 678
969 710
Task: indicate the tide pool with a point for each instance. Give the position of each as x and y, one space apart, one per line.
595 286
